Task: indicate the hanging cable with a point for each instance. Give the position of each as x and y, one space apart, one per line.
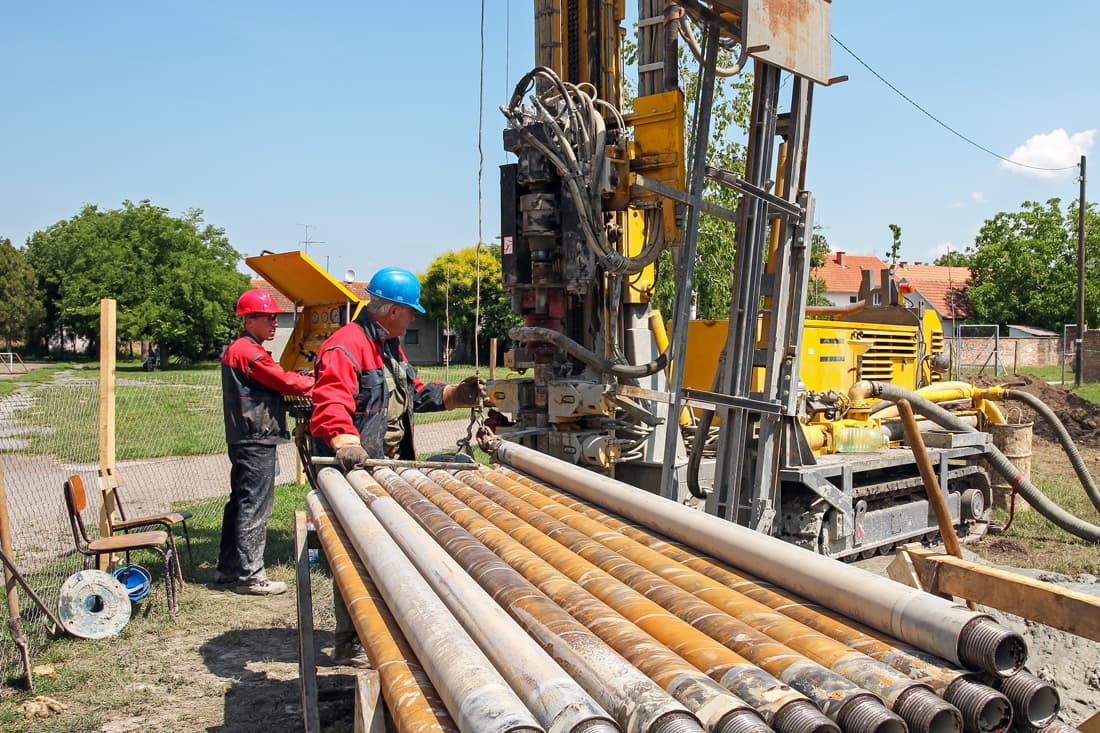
939 122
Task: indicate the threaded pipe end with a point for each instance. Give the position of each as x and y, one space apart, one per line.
802 716
1034 700
865 714
675 723
984 710
742 721
595 726
925 712
986 645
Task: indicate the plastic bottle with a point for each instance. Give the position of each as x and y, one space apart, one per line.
858 440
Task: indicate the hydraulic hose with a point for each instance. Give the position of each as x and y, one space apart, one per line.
597 362
1056 514
1064 439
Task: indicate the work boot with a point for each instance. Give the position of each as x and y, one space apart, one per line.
261 588
350 654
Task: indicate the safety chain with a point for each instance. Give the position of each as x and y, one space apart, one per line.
477 421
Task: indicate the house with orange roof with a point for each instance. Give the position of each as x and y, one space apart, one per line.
938 287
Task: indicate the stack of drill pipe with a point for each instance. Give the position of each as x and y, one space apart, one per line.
474 692
636 700
854 709
698 595
831 671
984 710
936 625
785 709
413 703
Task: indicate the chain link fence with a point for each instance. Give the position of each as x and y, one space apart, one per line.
170 454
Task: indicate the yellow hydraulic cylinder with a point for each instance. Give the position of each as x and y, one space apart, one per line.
412 700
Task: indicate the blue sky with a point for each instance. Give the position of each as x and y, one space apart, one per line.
361 119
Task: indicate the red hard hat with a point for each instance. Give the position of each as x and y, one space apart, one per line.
256 301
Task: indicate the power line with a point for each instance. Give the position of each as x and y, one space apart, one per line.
939 122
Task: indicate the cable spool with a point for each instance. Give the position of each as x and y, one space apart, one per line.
93 605
136 579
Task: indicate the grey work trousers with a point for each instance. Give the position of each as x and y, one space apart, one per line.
244 521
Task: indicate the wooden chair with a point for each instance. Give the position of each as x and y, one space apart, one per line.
157 540
167 520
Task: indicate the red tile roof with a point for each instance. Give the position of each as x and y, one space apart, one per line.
943 287
358 287
841 271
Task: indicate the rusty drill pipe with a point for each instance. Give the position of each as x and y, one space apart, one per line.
557 701
475 694
984 710
621 689
926 621
1035 700
836 696
412 701
913 700
785 709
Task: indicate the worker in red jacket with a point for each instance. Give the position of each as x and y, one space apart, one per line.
366 394
253 386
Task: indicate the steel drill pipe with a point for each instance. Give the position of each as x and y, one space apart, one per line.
635 701
785 709
1035 700
556 699
413 703
926 621
836 696
475 694
983 709
913 700
861 711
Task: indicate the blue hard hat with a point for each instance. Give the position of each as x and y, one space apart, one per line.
396 285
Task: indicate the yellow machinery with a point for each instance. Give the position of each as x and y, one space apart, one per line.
593 199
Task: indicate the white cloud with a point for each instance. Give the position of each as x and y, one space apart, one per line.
978 197
1055 149
941 249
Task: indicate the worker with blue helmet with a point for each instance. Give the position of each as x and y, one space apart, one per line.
365 396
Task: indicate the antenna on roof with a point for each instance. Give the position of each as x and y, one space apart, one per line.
307 241
349 276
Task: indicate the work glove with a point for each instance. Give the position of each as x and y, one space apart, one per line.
464 394
351 457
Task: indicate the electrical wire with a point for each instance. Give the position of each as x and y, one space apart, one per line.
941 123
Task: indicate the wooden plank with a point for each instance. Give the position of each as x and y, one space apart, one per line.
108 310
307 662
1092 725
1065 609
369 717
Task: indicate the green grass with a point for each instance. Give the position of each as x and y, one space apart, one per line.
155 415
41 375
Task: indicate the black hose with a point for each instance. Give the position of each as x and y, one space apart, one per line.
597 362
1030 492
1064 439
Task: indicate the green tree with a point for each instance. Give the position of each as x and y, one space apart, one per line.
449 294
20 307
895 246
175 278
819 251
1023 267
953 258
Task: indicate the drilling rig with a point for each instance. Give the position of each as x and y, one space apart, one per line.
749 418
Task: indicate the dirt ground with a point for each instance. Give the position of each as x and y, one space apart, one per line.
229 663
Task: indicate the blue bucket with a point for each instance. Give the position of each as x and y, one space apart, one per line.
136 579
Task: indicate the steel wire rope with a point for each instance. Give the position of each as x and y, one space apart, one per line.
939 122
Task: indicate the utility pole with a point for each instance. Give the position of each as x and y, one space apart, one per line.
307 241
1080 361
